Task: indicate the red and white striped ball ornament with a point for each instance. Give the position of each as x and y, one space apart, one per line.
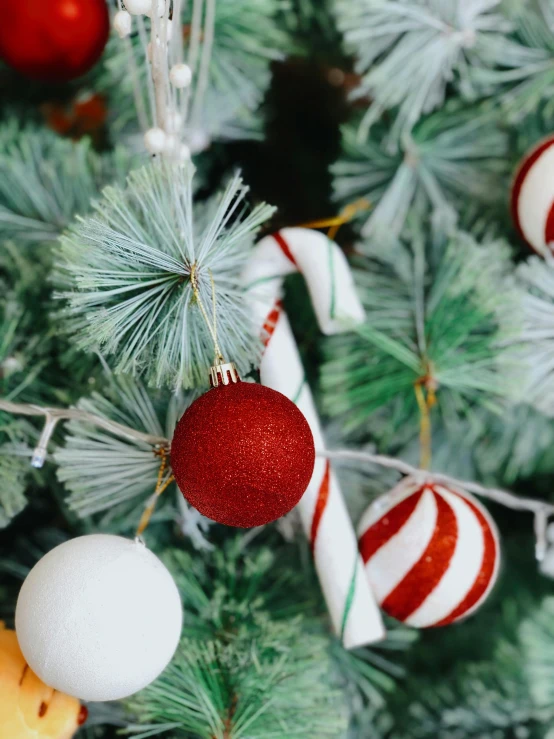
532 197
431 553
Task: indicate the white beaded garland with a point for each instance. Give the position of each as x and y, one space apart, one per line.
155 140
139 7
99 617
122 23
180 75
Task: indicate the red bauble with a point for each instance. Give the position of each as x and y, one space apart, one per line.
53 40
243 454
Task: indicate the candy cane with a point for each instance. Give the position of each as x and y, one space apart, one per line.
351 604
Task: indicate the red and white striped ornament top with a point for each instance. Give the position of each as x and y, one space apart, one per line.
532 197
431 553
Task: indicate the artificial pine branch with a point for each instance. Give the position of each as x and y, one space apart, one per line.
455 156
105 472
436 315
249 665
525 77
534 342
505 694
13 473
47 180
127 270
409 52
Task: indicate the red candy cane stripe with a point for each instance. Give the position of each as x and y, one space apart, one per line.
279 238
271 322
322 498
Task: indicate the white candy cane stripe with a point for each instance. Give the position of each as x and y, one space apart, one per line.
430 552
324 267
532 199
325 519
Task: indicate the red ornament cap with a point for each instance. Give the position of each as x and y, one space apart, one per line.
242 454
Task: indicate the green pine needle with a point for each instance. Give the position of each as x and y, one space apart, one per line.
128 267
442 317
525 78
239 672
14 468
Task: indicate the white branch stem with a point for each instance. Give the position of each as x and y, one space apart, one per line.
496 494
539 508
53 415
159 52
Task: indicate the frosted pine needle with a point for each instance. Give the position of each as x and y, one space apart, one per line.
536 338
47 180
103 471
128 266
453 153
409 51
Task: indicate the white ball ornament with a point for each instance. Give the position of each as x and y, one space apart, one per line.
532 198
99 617
431 553
155 140
122 23
139 7
180 75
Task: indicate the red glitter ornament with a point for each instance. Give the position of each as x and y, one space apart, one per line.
242 454
53 40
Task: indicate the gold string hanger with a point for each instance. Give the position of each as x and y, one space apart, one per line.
345 216
424 388
161 485
212 325
163 481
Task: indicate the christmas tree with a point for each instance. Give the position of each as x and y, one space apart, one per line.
276 369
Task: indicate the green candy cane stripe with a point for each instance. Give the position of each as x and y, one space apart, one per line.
349 598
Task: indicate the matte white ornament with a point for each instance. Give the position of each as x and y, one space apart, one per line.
99 617
122 23
180 75
155 140
139 7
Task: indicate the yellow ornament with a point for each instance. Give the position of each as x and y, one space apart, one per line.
29 709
